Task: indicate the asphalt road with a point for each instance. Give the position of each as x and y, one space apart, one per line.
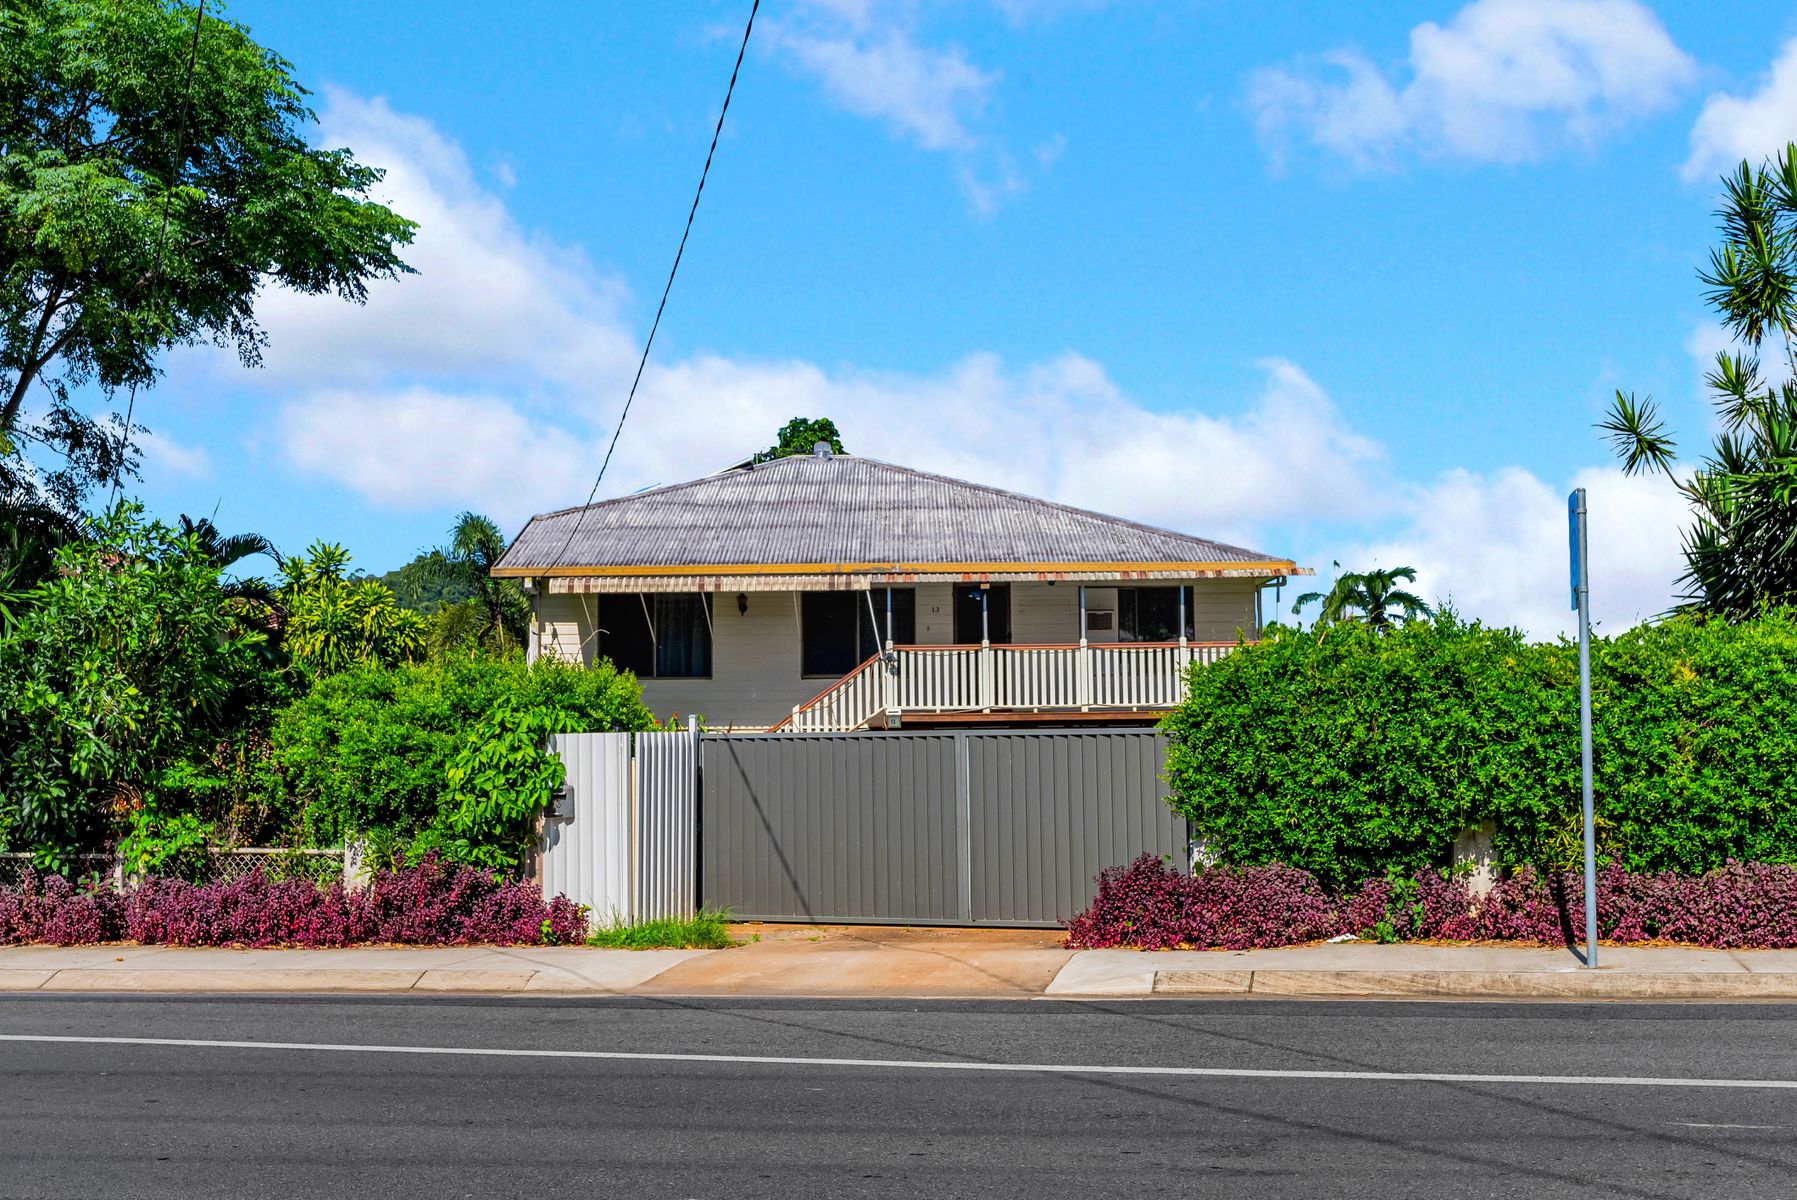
137 1120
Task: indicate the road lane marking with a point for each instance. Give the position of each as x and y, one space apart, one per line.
1703 1125
773 1060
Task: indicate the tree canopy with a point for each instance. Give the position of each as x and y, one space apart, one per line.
1741 549
1372 597
142 209
801 435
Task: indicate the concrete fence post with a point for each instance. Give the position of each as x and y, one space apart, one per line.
357 873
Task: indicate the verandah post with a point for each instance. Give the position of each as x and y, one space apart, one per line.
1082 666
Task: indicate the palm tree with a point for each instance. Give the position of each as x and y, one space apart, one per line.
1741 547
226 550
475 546
1372 597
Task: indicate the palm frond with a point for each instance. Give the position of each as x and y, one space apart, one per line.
1634 428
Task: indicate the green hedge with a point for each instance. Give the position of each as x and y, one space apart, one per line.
1350 754
372 749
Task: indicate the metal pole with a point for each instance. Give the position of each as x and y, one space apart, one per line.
985 630
1582 599
889 617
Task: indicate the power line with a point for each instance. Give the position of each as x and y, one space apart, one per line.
669 286
174 175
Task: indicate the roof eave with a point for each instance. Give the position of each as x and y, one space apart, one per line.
1029 570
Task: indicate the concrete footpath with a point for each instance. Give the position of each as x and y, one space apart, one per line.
863 961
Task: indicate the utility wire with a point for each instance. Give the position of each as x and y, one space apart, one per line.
668 287
174 175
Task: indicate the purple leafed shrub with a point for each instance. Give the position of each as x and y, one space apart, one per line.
51 909
1153 907
432 904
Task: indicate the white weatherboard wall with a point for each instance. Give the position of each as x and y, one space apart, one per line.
756 676
624 844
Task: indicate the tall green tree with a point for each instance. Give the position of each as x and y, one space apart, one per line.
1741 548
801 436
500 611
1370 597
125 658
330 622
143 205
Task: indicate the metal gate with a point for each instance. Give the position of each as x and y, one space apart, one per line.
621 839
999 828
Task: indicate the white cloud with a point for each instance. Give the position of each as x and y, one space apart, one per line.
1751 127
871 61
405 423
1503 81
877 69
165 457
419 448
488 299
1496 547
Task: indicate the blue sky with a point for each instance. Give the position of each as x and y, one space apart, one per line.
1337 281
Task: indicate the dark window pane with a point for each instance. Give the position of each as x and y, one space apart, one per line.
682 636
967 613
624 634
828 624
1151 614
842 630
873 626
665 636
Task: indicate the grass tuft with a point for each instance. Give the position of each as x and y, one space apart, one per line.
703 932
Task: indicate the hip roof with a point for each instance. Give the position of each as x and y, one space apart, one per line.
848 514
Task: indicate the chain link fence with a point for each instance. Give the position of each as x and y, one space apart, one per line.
222 865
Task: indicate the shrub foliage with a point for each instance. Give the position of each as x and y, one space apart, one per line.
447 755
1349 754
1151 906
432 904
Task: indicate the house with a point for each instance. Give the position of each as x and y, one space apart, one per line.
832 592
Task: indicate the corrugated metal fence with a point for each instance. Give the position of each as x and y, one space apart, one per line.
985 828
621 840
950 828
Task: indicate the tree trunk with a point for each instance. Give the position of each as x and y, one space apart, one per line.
30 364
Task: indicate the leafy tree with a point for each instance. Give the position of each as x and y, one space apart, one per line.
124 657
330 623
140 212
466 563
1739 551
30 533
801 435
1372 597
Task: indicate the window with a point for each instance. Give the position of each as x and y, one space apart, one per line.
662 636
842 630
967 613
1151 614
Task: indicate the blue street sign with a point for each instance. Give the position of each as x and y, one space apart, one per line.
1572 539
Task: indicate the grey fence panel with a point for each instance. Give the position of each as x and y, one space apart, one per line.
666 825
1006 828
830 827
1050 811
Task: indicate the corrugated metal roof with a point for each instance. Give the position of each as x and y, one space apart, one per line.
843 513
